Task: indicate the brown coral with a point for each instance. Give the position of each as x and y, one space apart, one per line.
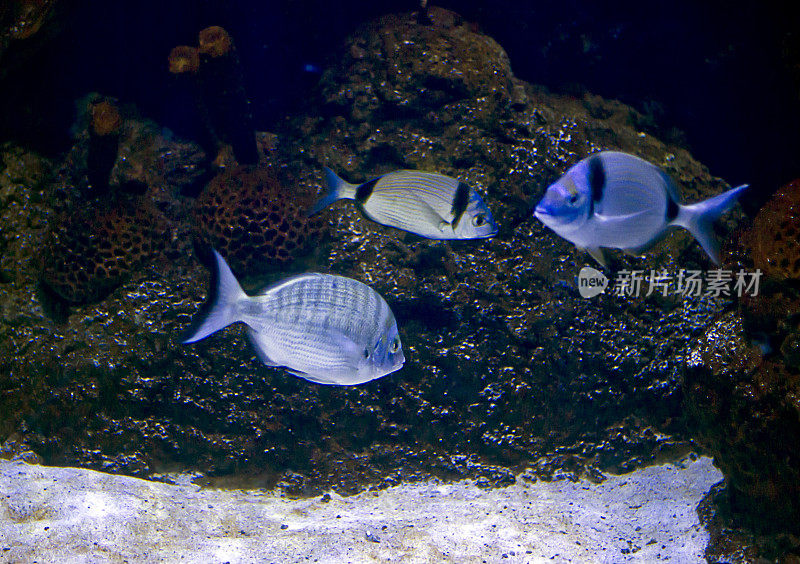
775 236
89 253
256 223
106 119
223 100
184 59
215 41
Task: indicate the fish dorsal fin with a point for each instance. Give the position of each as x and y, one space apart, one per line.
288 282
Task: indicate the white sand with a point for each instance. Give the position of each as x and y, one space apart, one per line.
68 515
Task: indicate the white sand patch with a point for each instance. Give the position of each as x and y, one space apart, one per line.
70 515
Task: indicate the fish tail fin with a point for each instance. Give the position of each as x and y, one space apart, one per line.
337 190
699 218
219 309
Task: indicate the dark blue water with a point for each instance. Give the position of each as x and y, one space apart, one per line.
703 71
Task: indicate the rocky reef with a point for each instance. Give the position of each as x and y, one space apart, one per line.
743 382
507 366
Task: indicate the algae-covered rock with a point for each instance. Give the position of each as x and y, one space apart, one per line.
507 366
743 407
743 384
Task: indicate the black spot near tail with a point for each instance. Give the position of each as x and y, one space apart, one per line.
364 191
672 209
597 177
460 201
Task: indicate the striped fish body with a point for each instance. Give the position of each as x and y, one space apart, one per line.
424 203
617 200
330 329
324 328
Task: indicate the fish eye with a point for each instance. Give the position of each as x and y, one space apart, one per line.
395 345
366 353
479 220
572 198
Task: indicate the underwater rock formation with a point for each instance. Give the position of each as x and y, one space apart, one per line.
254 221
113 214
507 366
744 409
743 383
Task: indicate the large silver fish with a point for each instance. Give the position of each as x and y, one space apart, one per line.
425 203
324 328
617 200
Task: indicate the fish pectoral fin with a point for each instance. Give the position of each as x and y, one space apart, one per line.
597 254
349 347
616 218
432 217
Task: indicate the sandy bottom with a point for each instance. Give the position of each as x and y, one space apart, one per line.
70 515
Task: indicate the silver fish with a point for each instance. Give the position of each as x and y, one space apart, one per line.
424 203
617 200
324 328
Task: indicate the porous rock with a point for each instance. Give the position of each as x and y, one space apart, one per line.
88 253
774 239
255 221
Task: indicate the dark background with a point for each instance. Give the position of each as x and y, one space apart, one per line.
724 77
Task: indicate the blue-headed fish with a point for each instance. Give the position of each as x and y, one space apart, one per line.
324 328
424 203
616 200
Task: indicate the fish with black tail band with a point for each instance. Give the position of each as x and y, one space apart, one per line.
424 203
616 200
324 328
